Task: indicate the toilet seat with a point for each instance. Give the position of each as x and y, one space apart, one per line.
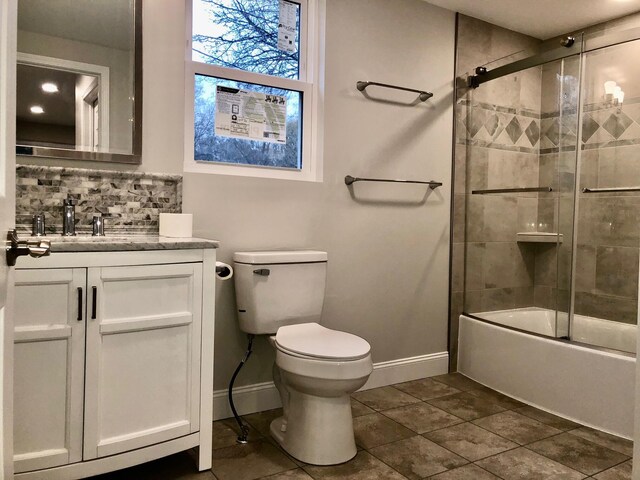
313 341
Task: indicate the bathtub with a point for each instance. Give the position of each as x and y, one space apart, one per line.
592 386
588 330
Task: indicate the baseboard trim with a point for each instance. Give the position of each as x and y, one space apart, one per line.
264 396
407 369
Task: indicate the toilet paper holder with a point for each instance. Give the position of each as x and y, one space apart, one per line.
224 271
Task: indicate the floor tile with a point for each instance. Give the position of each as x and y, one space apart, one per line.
363 467
497 398
261 421
422 417
358 409
619 472
384 398
376 429
250 461
225 433
426 389
516 427
466 406
297 474
525 464
578 453
417 457
457 380
612 442
467 472
547 418
470 441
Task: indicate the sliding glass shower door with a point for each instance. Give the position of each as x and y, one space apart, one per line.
520 183
607 240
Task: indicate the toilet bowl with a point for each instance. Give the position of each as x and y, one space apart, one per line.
316 371
316 368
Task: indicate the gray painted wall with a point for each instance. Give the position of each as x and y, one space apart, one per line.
388 249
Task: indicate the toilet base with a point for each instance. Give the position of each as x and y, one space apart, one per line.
319 430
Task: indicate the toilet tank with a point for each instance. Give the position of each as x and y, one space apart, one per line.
279 288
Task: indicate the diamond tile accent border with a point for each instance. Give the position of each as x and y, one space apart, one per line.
131 202
603 126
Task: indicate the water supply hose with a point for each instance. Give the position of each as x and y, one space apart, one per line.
244 429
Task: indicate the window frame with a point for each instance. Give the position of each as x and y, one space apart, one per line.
311 69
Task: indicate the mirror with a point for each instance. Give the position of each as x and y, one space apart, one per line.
79 79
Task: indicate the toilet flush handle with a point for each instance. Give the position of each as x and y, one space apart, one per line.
262 271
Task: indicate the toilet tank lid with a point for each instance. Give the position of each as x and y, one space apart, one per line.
280 256
314 340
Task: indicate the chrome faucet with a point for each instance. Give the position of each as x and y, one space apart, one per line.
69 216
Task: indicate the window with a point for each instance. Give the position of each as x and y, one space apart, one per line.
252 88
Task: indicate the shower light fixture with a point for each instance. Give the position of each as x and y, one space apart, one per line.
613 92
609 87
49 87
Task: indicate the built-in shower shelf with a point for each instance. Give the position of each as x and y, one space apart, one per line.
539 237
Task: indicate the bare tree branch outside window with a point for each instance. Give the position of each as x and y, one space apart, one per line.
243 34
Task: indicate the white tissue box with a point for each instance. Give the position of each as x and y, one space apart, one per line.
177 225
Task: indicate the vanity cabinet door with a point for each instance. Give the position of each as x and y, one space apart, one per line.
143 356
48 367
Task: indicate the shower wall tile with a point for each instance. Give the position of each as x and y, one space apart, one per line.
565 256
619 167
617 271
500 218
511 169
613 221
474 261
457 267
544 297
618 309
460 168
547 215
477 168
501 299
458 218
508 265
546 261
585 268
527 214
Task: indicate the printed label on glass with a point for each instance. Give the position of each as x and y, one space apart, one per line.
250 115
287 26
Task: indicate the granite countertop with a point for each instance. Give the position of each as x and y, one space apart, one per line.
122 243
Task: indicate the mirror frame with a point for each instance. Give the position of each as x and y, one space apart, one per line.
135 157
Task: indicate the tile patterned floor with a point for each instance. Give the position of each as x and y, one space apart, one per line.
441 428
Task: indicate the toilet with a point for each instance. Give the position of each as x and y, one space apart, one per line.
280 294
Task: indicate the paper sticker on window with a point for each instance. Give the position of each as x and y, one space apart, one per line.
287 31
250 115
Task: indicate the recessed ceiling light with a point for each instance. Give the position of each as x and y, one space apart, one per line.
50 87
37 109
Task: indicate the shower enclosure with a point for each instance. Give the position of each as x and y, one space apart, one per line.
552 219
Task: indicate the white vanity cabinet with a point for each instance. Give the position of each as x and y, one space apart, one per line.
113 360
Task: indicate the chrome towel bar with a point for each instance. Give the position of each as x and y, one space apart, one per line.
424 96
611 189
512 190
349 180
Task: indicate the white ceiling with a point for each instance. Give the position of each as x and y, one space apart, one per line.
542 18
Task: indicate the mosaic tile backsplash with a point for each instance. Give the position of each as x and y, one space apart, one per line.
130 202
